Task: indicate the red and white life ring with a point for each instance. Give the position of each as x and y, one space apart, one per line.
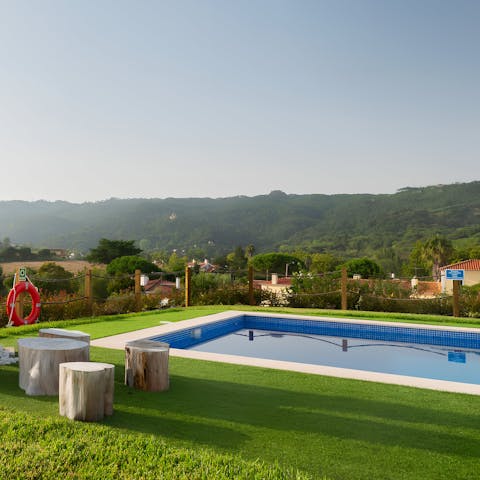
14 292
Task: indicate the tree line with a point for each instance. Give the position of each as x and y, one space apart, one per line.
11 253
382 227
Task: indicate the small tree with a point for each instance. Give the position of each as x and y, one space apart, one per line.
176 264
52 278
129 264
122 267
277 262
236 260
108 250
324 262
363 266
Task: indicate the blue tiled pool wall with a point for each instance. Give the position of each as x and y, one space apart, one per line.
367 331
193 336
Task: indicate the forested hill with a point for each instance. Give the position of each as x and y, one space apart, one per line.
351 225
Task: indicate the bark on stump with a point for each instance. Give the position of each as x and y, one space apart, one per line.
62 333
146 365
39 360
86 390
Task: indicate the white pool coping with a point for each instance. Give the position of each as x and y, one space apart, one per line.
118 342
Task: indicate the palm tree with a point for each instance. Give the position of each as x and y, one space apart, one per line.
436 251
249 251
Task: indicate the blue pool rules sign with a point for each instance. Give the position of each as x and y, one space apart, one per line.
454 274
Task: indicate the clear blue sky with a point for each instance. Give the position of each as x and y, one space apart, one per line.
206 98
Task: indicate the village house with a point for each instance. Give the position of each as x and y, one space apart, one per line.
205 266
277 285
471 269
159 286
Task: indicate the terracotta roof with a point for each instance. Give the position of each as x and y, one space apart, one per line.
472 264
281 281
159 282
204 266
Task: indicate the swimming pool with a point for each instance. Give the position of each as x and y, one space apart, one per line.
427 361
458 347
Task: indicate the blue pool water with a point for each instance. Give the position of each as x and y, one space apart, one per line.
419 352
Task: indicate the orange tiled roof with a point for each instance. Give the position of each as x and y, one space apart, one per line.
472 264
157 283
281 281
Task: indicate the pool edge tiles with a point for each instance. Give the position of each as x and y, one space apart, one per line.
345 373
118 342
188 337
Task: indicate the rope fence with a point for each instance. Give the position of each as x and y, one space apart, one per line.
92 293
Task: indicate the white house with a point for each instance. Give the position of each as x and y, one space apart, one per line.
471 270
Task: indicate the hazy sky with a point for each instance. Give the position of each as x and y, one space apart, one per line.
207 98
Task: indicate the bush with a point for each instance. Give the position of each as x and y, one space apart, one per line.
441 305
210 281
316 300
315 291
470 301
61 307
52 278
229 295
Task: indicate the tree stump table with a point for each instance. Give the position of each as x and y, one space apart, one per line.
39 360
62 333
146 365
86 390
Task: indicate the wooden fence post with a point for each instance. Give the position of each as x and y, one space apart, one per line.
188 284
138 290
20 296
344 289
89 290
251 297
456 298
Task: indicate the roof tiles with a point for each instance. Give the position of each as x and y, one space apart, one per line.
472 264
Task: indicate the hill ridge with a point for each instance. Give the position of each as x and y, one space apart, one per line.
350 224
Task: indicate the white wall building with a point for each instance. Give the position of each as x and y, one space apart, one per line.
471 270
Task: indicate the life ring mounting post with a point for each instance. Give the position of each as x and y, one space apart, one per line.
19 288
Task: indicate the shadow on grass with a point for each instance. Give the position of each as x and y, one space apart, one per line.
222 413
209 405
188 430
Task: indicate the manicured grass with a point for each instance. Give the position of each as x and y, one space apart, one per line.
323 426
263 420
52 448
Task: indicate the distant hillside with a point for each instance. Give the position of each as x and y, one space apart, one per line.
350 225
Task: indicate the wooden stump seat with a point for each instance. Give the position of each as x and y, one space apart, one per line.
62 333
146 365
39 359
86 390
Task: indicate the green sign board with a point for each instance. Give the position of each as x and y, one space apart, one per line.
22 274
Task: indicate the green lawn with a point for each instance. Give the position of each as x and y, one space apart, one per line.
229 421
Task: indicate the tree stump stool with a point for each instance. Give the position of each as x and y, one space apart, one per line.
86 390
7 356
146 365
39 359
62 333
